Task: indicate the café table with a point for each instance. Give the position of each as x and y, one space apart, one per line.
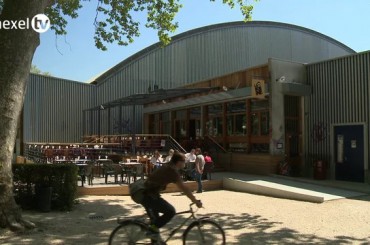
82 161
99 165
61 160
83 171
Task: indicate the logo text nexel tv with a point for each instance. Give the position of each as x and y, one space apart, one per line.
39 23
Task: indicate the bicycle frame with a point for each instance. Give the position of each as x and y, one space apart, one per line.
173 231
192 216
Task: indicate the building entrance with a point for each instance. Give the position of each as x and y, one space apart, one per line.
349 152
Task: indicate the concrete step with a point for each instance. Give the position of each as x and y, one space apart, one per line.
122 189
275 186
284 188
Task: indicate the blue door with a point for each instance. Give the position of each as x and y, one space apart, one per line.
349 152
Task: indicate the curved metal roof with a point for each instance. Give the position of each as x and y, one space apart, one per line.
201 30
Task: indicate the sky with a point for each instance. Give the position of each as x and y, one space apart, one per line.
75 56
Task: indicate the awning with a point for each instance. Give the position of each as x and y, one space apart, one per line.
154 96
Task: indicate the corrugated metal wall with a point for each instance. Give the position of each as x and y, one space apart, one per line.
340 95
210 52
53 109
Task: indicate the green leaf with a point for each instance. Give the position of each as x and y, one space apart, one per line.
115 20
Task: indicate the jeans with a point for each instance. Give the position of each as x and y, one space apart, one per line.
198 179
156 205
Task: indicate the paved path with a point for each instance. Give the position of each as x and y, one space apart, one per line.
246 219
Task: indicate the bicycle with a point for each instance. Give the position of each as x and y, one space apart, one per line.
200 231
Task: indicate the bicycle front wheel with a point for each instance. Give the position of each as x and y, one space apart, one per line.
204 232
129 232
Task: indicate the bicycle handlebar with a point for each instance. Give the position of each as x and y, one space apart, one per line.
191 210
193 203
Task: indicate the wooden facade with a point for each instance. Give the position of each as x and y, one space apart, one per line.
241 125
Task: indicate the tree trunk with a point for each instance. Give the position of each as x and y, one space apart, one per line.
16 52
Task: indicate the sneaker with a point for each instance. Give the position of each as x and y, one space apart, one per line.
154 235
199 191
156 238
153 229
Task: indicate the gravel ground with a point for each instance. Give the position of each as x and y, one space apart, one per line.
246 219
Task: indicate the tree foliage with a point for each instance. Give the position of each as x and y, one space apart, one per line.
36 70
115 19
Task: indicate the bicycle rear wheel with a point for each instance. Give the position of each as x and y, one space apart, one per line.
129 232
204 232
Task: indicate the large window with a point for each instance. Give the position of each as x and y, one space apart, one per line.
194 123
194 113
180 115
166 123
260 120
214 122
260 126
180 124
160 123
236 118
154 123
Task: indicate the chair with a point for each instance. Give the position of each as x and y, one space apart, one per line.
49 155
146 165
86 171
133 172
67 153
126 173
138 171
112 169
208 169
83 152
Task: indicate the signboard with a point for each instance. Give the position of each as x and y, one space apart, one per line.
258 88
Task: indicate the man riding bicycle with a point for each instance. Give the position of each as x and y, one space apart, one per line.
157 182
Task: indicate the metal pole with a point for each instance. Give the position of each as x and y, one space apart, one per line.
83 124
133 145
120 123
109 126
99 124
92 123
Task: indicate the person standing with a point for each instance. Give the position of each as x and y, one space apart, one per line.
208 165
190 157
189 165
207 158
198 170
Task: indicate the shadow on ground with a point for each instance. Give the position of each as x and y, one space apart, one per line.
264 232
93 223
